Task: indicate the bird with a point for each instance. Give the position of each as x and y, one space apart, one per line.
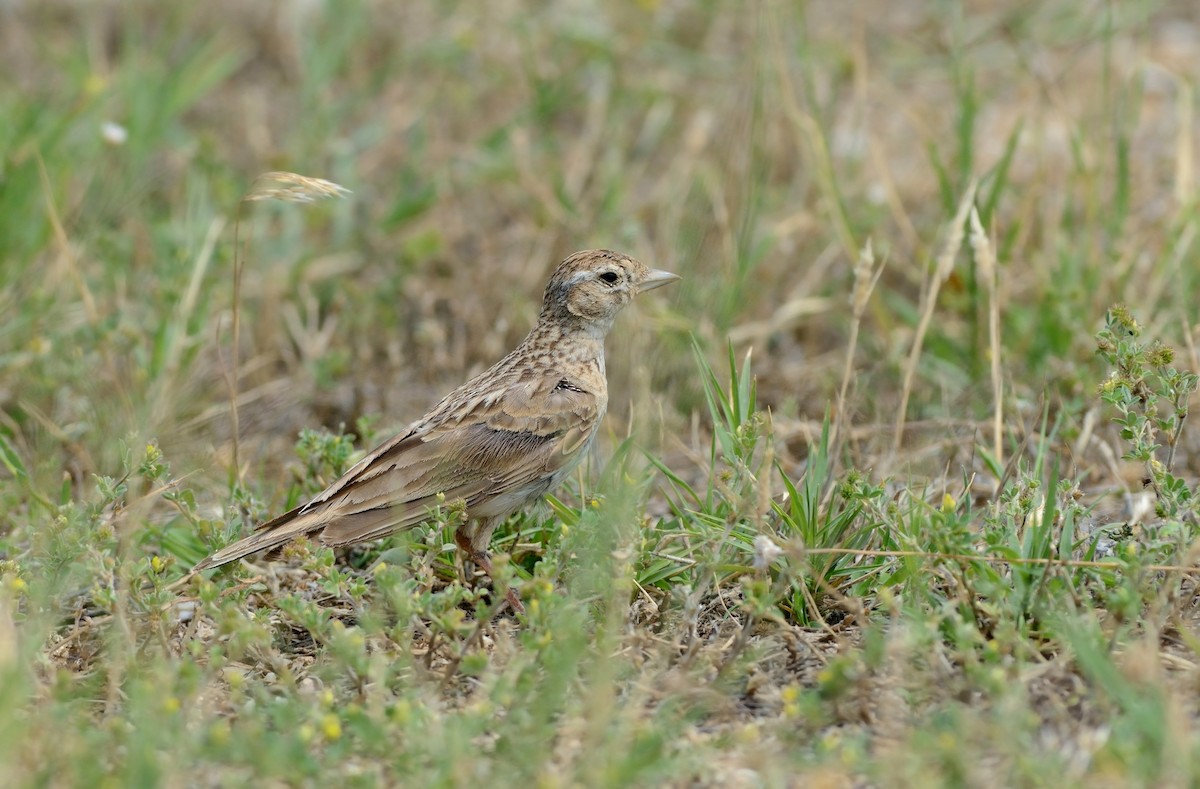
495 444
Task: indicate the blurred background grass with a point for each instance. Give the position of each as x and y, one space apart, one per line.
753 148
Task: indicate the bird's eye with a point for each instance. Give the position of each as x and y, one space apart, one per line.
610 277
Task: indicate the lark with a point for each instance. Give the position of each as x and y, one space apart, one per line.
496 443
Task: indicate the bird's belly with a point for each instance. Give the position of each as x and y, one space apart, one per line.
503 504
510 501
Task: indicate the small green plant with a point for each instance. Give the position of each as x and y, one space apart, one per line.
1151 400
732 508
742 515
844 520
325 455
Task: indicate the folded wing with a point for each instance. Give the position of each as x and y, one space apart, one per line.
493 452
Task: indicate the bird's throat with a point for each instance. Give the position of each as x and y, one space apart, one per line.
574 342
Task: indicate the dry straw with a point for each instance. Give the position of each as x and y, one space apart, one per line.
986 261
945 265
1185 175
866 275
287 188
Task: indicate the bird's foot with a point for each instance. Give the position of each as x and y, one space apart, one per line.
514 602
483 561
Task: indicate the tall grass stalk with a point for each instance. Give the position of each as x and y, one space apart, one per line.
989 274
932 286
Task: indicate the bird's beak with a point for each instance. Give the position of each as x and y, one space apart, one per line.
656 279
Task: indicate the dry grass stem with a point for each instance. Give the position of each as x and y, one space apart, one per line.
866 275
989 275
64 247
1185 173
945 265
289 188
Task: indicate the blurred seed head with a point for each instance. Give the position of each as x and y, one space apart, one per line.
114 133
865 277
765 552
293 188
983 250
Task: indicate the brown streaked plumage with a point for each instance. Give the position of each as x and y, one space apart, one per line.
497 442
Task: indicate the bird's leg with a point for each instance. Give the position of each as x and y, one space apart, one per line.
484 562
473 542
463 539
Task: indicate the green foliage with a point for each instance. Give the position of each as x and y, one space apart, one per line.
1151 399
324 455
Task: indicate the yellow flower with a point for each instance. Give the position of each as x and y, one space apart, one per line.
219 733
94 84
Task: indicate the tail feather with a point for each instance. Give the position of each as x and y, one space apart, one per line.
272 534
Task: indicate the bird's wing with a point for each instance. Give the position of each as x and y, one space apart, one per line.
492 444
493 453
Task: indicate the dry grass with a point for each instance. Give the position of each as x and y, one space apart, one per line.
982 593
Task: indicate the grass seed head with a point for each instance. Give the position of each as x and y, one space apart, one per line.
293 188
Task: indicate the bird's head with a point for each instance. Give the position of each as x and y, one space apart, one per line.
592 286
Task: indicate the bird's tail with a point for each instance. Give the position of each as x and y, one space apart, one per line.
271 534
